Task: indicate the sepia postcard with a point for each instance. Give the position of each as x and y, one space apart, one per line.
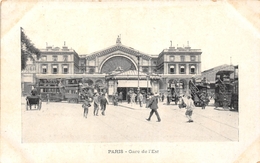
130 81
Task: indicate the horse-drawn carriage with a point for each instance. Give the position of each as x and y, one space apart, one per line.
33 101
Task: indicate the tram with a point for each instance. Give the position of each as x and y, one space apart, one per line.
71 90
234 97
223 88
198 89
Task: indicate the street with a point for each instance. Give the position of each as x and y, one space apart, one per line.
64 122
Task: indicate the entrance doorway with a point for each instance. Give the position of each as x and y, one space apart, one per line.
123 90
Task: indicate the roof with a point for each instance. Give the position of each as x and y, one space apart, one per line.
117 47
221 67
225 72
67 76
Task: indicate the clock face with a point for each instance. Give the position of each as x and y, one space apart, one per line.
116 62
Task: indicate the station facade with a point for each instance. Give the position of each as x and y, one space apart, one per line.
120 68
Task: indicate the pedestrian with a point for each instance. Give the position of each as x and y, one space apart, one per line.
162 97
189 108
203 101
181 102
96 104
115 100
128 97
34 91
120 97
168 98
133 98
153 105
48 98
140 99
148 96
103 104
217 101
85 105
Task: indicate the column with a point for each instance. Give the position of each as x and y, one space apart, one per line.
165 67
187 69
177 68
96 65
149 64
199 68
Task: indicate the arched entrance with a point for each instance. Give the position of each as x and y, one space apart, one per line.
123 62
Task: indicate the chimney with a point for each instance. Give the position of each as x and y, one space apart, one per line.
65 48
48 47
171 48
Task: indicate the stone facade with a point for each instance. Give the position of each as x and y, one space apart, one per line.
174 66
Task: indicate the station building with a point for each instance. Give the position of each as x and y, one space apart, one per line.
120 68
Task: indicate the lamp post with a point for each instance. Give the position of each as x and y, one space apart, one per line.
147 78
138 59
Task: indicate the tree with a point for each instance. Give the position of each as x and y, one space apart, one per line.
28 50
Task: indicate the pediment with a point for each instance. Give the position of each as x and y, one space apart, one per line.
120 48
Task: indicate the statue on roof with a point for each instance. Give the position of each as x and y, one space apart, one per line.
118 40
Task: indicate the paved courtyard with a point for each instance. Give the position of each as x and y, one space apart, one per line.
64 122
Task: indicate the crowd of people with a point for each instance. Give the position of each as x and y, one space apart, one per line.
100 101
151 100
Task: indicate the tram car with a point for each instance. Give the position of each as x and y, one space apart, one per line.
198 89
223 88
64 89
234 97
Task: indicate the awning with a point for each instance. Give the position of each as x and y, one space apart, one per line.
171 66
182 66
65 66
54 66
192 66
44 66
133 83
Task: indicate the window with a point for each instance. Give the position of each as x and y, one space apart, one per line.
91 70
182 69
145 69
65 69
182 58
54 69
192 69
44 69
65 58
192 58
172 70
171 58
43 58
54 58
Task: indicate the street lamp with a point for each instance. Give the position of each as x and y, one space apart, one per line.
147 78
138 59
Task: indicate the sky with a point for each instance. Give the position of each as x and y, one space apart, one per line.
221 33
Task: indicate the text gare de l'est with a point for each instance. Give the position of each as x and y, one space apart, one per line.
132 151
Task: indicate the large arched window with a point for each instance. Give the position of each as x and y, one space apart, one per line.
117 62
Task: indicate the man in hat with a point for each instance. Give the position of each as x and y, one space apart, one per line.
189 106
103 103
153 105
34 91
86 105
96 104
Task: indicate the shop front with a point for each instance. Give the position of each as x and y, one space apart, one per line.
128 82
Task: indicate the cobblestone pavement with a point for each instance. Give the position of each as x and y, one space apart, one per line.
64 122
